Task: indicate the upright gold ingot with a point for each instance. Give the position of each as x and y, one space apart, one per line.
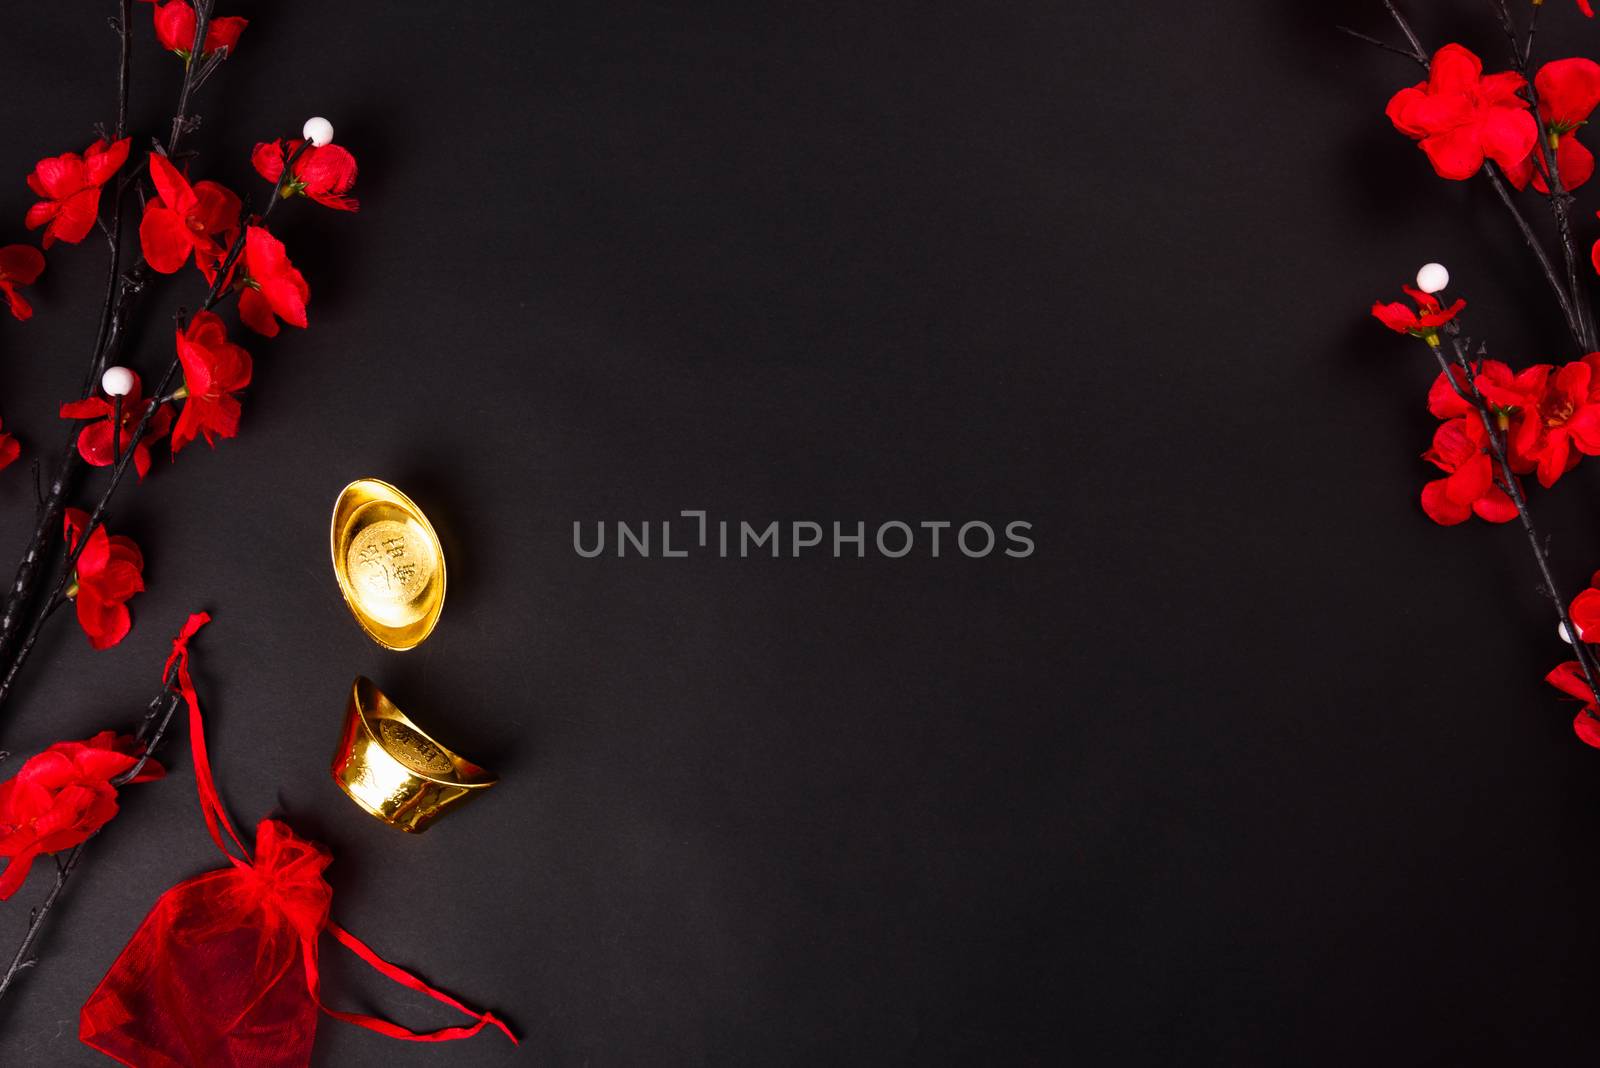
388 562
393 769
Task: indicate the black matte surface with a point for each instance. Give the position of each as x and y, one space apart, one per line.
1249 764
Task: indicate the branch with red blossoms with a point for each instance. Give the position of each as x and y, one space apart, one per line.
1497 425
200 223
63 777
1560 97
223 366
1514 131
1520 129
68 210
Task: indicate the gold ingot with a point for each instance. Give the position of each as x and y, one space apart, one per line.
392 768
387 559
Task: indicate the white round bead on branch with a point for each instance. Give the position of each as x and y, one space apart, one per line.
1432 278
117 381
319 131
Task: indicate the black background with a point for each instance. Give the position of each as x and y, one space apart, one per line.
1249 763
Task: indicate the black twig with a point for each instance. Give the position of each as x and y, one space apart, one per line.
1418 53
1385 45
182 122
1546 266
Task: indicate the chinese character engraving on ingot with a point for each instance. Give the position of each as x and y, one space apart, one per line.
389 561
412 749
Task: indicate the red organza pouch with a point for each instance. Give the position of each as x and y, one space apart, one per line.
223 972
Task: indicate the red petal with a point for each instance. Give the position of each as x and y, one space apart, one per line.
1454 70
267 159
1587 727
88 408
1508 134
336 201
1399 318
288 299
96 554
1456 154
1443 400
21 263
99 167
94 444
164 238
329 169
1471 481
1501 89
216 207
1585 614
1568 90
1400 105
73 520
1519 175
58 177
175 25
1568 678
266 255
171 186
41 212
105 624
1574 162
1584 428
1553 458
75 217
1437 114
256 313
1440 508
119 581
20 308
1495 506
224 33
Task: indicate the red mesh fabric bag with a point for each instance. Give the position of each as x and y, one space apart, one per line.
217 974
223 971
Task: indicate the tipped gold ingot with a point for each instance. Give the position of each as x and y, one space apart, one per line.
395 770
388 562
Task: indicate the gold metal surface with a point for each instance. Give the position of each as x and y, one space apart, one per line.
393 769
388 562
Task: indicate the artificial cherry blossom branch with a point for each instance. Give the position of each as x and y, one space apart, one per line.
181 123
152 732
1560 199
1569 295
49 512
1513 489
219 288
121 289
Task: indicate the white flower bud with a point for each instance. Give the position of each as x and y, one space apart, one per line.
117 381
1432 278
319 131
